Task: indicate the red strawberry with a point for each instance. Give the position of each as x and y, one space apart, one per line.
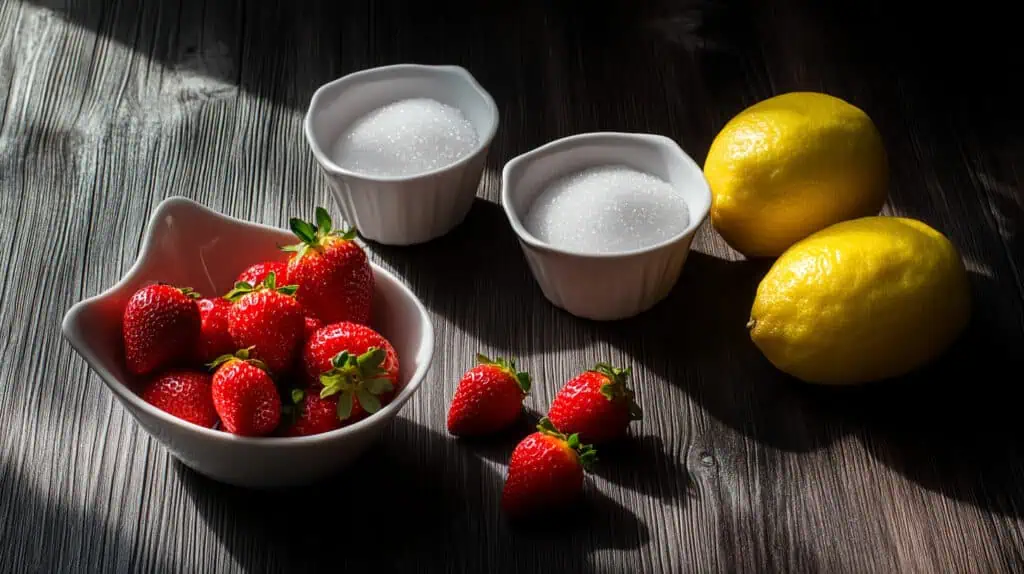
332 271
244 395
160 328
596 404
268 319
545 472
312 324
255 274
183 393
489 397
310 414
354 362
214 338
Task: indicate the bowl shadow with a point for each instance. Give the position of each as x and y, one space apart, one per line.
375 516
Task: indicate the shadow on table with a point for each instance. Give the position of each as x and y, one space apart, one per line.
42 532
953 427
476 276
419 500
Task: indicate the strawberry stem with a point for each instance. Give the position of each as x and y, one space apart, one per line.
509 366
312 236
586 453
616 389
269 283
239 355
357 377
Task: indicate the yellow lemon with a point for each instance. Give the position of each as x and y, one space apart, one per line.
791 165
860 301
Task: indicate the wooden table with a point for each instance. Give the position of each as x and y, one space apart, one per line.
109 107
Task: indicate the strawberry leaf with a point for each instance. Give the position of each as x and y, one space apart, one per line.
270 281
523 378
303 230
323 221
379 386
349 234
298 395
340 360
369 402
240 289
288 289
333 383
344 409
189 292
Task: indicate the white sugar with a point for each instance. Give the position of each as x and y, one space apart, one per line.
607 209
406 137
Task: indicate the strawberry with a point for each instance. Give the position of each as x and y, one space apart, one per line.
214 338
310 326
489 397
332 271
596 404
354 362
256 273
545 472
244 395
268 319
160 327
183 393
310 414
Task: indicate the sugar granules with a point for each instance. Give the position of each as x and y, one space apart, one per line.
406 137
607 209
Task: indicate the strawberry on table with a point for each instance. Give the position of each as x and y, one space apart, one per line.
184 393
160 327
545 472
310 413
268 319
214 338
354 362
256 273
489 397
332 271
596 404
244 395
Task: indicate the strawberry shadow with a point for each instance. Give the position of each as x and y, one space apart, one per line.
419 500
644 465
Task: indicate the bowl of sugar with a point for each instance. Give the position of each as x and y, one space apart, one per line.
605 220
403 148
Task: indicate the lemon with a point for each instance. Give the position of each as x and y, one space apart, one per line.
791 165
862 300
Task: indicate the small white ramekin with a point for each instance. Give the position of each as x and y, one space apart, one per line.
402 210
605 286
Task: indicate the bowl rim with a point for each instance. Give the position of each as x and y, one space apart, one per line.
372 74
578 140
125 394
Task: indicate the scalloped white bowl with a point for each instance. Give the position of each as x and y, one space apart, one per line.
401 210
190 245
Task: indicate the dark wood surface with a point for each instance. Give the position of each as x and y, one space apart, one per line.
108 107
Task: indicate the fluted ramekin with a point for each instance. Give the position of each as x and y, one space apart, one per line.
605 286
401 210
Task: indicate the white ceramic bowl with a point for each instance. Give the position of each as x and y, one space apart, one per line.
401 210
605 286
189 245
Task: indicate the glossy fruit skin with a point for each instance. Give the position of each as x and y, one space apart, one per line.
355 338
791 165
214 338
544 473
160 327
257 272
270 322
335 282
184 393
246 399
310 326
488 398
861 301
595 404
332 271
315 415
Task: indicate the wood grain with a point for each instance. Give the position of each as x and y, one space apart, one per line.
110 106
